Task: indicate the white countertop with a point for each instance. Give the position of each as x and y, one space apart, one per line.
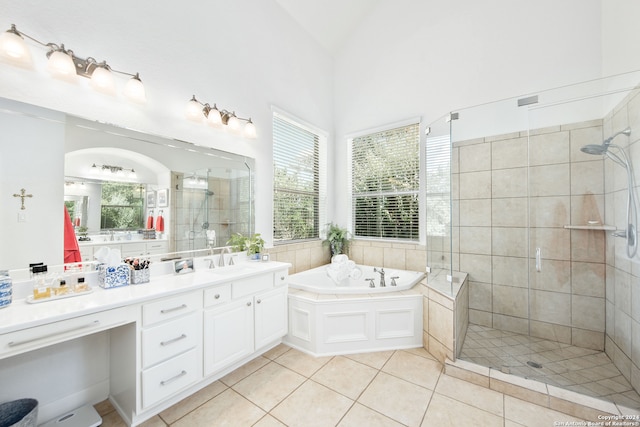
21 315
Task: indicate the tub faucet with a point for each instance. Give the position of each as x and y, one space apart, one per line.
382 273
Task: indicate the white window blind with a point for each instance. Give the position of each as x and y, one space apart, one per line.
438 185
385 180
296 174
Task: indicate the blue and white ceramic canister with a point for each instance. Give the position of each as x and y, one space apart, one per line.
6 288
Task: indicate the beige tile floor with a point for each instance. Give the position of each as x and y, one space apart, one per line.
286 387
588 372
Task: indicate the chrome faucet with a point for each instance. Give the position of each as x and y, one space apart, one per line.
222 252
111 234
382 273
211 263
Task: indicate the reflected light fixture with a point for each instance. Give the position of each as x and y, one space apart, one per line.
64 64
118 171
219 118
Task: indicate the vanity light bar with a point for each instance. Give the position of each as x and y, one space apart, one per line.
64 63
219 118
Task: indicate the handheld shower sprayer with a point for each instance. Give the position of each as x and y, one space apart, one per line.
630 233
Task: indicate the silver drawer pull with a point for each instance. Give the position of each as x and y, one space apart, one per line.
249 304
30 340
169 310
217 296
171 341
172 379
259 301
281 277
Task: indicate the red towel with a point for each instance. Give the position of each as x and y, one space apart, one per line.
71 248
160 223
150 221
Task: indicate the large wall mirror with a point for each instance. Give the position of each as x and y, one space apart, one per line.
122 188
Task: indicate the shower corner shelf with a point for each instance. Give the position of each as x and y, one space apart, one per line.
602 227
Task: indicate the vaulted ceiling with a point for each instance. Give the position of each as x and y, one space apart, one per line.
330 22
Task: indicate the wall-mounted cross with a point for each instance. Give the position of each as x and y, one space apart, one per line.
22 195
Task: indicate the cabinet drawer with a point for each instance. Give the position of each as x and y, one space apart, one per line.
217 295
156 248
169 339
169 377
251 285
40 336
281 278
170 308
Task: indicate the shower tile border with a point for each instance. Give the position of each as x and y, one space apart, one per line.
549 396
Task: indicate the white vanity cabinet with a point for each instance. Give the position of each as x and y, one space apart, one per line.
170 346
256 317
151 345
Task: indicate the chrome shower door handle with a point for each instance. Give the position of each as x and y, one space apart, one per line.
538 260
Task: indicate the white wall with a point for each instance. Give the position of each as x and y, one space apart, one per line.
619 36
245 55
425 58
38 235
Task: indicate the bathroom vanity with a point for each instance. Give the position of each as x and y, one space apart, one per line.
145 347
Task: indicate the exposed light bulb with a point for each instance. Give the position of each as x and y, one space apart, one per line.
134 90
250 130
194 110
103 81
61 64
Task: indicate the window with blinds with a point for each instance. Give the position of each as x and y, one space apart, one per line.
438 185
385 177
296 181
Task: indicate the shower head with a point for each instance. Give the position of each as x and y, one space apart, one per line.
599 150
596 150
208 192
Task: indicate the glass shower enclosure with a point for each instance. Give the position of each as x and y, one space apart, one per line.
546 230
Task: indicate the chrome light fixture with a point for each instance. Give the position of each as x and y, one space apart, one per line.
63 63
113 170
219 118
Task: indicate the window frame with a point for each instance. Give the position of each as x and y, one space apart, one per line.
322 173
420 191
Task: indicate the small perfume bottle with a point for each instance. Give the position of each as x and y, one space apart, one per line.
41 286
61 288
81 286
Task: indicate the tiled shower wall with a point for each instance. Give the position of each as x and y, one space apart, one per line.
622 274
492 178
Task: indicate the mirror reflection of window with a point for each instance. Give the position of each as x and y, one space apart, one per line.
122 206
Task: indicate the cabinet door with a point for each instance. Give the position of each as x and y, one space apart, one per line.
270 316
228 334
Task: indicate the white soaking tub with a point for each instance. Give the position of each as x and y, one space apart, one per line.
329 318
317 280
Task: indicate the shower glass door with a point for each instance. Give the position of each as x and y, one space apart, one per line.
490 157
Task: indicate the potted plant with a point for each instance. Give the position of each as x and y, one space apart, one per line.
237 242
255 245
337 239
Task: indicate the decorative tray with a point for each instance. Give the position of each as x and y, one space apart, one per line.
31 300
